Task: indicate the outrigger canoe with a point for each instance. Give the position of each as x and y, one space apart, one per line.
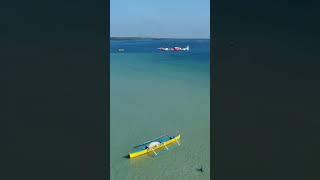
151 146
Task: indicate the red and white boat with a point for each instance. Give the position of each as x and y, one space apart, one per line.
174 49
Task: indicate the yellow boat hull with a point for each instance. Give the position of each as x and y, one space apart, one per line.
146 151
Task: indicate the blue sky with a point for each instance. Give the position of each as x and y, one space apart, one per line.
160 18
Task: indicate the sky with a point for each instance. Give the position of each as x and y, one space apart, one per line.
160 19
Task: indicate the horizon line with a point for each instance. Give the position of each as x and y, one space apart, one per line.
137 37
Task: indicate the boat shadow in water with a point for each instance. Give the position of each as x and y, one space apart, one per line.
126 157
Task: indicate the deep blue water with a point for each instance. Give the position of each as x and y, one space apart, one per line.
199 46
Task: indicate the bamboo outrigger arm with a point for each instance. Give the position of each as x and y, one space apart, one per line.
154 151
150 141
178 142
165 146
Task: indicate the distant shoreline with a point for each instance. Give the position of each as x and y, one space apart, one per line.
152 38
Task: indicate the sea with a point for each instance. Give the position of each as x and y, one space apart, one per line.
153 93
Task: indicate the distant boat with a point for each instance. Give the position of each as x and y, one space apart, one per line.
120 50
174 49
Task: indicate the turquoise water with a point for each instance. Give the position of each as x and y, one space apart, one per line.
154 93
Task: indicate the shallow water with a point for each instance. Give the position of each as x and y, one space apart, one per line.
154 93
